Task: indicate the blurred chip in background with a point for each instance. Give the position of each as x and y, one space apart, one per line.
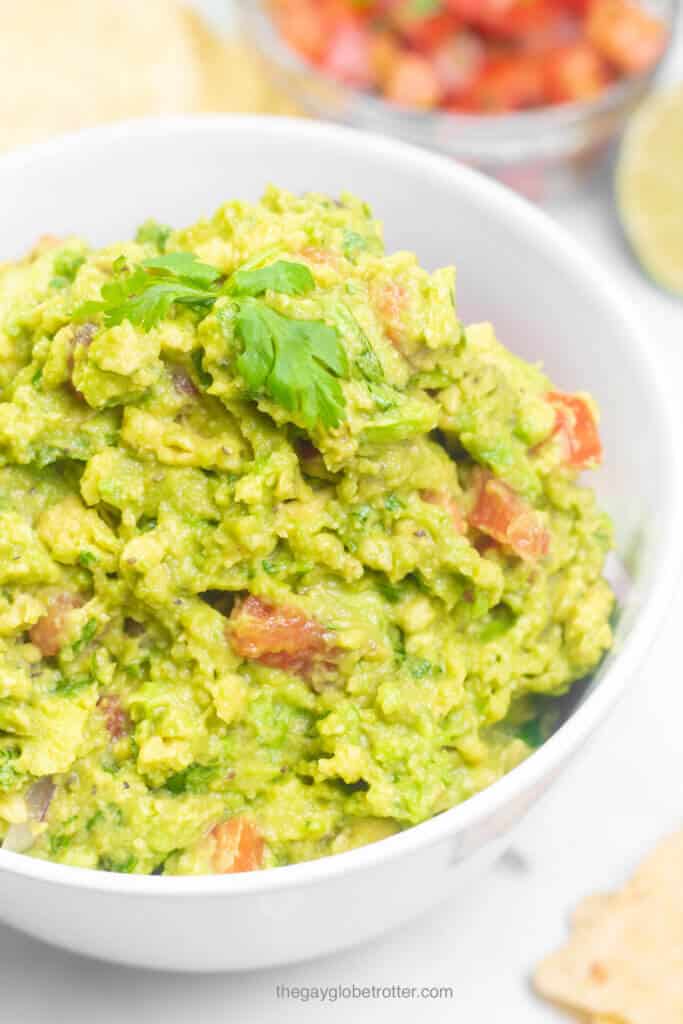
72 64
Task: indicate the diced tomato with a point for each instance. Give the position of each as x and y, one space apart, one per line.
413 83
390 301
385 53
348 56
527 21
625 34
323 257
282 638
458 62
475 56
574 73
116 719
303 27
424 31
44 244
500 513
472 10
445 501
239 846
577 429
505 84
48 634
578 7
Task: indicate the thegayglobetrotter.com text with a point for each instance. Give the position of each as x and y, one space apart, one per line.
339 993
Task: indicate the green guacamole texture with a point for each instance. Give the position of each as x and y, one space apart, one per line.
249 612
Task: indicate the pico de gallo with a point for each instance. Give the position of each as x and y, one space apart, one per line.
475 56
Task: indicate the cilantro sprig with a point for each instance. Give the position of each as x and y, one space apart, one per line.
298 364
145 295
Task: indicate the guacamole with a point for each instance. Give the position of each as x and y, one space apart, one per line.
290 559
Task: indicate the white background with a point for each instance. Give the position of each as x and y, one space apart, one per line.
608 809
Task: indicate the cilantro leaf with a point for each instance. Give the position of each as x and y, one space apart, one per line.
281 276
145 296
185 267
296 363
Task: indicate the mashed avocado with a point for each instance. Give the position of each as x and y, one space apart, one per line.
290 559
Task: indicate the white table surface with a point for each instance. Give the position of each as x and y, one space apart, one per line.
588 834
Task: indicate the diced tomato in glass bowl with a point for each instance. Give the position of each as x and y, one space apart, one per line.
595 42
528 90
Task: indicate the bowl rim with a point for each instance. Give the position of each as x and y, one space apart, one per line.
483 127
545 761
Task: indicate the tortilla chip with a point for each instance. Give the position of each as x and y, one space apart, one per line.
70 64
234 77
624 961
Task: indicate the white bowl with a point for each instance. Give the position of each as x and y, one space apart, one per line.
549 301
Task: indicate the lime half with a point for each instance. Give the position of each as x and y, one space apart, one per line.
650 187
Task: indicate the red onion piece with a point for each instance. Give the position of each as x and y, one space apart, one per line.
39 797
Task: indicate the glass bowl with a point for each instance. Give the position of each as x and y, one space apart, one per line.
539 152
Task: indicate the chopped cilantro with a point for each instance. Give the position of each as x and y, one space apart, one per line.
86 559
121 867
388 590
68 687
362 513
59 843
419 667
97 819
205 379
194 779
392 503
383 396
531 733
365 361
353 243
86 636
